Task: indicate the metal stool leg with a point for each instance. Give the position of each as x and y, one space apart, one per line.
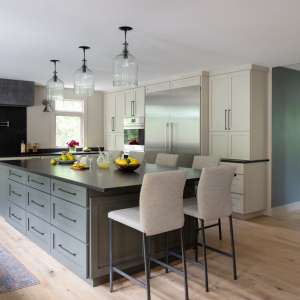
220 229
232 248
146 261
166 251
149 261
184 263
204 255
110 256
196 239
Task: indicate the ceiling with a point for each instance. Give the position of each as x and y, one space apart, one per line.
169 37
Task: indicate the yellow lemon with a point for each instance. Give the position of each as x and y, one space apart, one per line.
53 162
123 162
134 162
82 164
130 158
75 165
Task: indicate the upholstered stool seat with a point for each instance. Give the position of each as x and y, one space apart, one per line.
190 207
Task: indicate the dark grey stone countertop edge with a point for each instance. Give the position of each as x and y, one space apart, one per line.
241 161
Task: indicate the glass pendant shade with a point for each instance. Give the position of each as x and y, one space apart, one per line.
125 69
125 66
54 87
84 79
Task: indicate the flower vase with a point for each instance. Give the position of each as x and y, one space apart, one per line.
72 149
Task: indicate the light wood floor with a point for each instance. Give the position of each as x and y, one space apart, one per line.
268 267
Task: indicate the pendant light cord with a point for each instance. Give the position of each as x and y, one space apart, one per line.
55 76
84 60
125 52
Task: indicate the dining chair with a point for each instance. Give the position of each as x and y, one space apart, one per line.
115 154
160 211
140 156
170 160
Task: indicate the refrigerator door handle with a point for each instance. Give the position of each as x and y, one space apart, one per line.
166 139
170 137
228 119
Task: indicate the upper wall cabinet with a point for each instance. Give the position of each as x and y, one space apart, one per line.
16 92
229 102
177 84
114 112
134 102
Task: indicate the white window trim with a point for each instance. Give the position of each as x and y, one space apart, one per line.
83 114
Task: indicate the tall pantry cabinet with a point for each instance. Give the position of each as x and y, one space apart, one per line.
238 113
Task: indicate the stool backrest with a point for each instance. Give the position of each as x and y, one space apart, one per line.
115 154
201 162
140 156
161 201
214 192
169 160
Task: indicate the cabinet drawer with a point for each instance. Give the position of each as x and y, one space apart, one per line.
72 253
70 218
17 193
239 167
238 184
17 217
237 203
38 203
70 192
39 232
17 175
38 182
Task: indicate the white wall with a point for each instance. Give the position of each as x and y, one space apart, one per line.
39 122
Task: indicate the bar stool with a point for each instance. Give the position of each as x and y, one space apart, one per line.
140 156
115 154
199 163
212 202
169 160
160 210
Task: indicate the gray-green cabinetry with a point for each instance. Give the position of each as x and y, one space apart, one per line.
3 191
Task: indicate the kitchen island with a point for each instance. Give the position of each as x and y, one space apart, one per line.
64 212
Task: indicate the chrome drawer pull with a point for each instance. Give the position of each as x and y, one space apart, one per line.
16 175
74 194
16 217
37 203
74 254
37 231
16 193
41 183
60 214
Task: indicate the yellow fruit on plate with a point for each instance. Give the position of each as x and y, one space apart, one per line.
130 158
134 162
75 165
82 164
53 162
118 160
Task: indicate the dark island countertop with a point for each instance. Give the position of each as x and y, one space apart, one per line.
32 154
103 180
242 161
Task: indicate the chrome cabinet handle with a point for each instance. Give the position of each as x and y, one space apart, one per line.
132 108
16 194
16 175
41 183
74 254
112 123
37 231
228 120
225 118
170 137
74 194
60 214
16 217
37 203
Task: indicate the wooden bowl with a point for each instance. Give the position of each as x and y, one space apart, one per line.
126 168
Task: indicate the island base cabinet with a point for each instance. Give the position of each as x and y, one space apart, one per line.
17 217
38 231
70 252
3 191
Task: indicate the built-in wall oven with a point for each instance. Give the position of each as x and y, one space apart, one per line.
134 134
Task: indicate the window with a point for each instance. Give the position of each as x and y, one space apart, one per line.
69 122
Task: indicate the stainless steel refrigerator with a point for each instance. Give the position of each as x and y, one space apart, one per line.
172 124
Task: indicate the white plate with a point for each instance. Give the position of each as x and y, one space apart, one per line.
66 161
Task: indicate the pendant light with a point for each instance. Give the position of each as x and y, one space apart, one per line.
84 78
125 66
54 86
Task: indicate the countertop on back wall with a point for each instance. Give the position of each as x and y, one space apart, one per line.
242 161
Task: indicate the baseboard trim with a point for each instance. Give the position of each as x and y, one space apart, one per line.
285 208
247 216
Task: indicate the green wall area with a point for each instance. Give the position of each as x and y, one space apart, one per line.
285 136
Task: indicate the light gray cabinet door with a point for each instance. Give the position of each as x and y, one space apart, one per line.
3 191
17 217
17 193
38 203
71 218
38 182
38 231
17 175
69 251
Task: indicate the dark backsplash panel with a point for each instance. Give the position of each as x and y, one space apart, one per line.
11 137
